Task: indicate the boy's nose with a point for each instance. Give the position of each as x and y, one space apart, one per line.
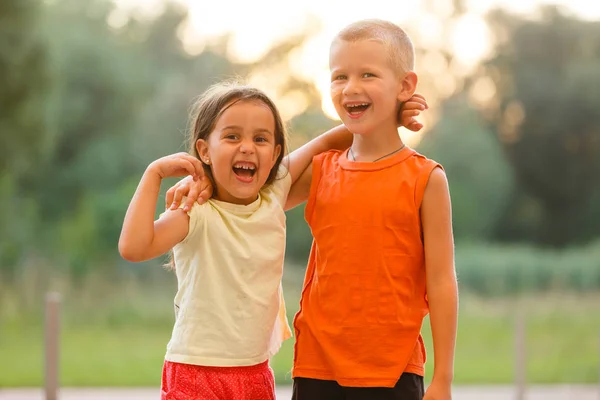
351 87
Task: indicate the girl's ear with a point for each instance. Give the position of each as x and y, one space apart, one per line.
202 149
407 86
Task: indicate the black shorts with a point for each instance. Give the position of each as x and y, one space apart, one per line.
409 387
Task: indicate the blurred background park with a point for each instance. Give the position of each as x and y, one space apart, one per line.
92 91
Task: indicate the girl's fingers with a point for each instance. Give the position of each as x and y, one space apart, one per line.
418 98
414 105
188 166
181 191
198 169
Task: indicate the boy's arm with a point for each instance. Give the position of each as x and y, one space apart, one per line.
300 160
142 238
442 289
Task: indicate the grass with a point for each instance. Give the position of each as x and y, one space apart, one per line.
121 341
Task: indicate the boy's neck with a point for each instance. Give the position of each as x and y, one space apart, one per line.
366 148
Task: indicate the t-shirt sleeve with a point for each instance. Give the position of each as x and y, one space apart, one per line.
197 217
282 184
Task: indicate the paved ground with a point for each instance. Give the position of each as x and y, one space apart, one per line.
559 392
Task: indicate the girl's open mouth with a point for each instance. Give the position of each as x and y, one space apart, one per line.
244 170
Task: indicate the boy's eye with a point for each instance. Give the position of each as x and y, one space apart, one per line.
368 75
339 77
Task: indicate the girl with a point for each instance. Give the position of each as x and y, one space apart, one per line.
228 252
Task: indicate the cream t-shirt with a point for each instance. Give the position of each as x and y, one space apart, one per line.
229 305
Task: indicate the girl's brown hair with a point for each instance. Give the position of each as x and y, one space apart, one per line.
215 101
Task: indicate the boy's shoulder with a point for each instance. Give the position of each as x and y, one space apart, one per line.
422 160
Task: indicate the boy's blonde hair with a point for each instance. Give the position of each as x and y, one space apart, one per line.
399 46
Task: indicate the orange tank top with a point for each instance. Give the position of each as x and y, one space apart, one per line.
363 299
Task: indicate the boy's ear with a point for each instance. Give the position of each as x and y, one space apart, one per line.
202 149
407 86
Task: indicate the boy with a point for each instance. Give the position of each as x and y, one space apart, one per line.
382 255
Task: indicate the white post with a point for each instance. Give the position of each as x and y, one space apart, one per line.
52 334
520 355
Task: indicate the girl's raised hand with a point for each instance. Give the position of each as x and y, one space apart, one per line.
410 110
176 165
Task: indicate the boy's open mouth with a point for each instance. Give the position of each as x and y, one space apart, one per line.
244 170
356 108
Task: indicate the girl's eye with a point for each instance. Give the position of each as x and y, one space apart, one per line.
261 139
339 78
231 137
368 75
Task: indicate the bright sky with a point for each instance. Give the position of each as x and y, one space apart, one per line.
257 24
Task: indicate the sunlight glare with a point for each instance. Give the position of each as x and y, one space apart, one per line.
256 26
271 81
429 30
470 39
323 85
483 91
192 44
292 104
433 62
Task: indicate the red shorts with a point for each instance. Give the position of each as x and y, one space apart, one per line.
195 382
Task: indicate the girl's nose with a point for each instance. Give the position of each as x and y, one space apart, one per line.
247 147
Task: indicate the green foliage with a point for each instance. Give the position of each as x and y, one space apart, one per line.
480 180
545 115
16 225
298 236
25 80
497 270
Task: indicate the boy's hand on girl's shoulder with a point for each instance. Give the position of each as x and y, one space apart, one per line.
199 190
410 110
438 391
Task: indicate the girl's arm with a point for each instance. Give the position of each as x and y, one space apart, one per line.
299 161
442 289
142 238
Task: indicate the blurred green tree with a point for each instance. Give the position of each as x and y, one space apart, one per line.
479 177
544 111
25 80
24 84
